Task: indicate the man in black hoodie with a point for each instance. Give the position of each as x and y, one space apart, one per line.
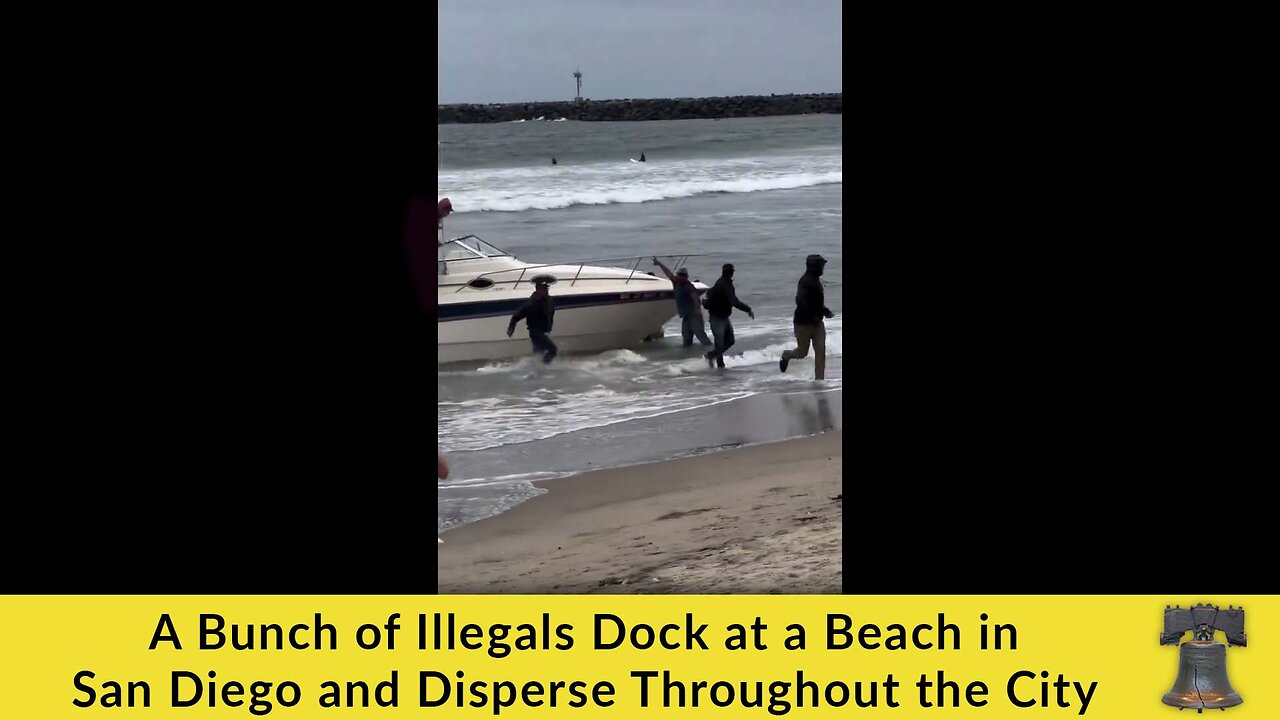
810 311
538 312
720 301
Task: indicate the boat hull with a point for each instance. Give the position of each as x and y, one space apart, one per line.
479 333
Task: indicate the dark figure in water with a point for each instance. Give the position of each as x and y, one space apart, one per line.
810 310
538 312
720 301
642 157
553 160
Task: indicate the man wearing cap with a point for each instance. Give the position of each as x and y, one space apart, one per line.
810 311
687 305
538 312
720 301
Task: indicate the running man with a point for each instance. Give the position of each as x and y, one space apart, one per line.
538 312
720 301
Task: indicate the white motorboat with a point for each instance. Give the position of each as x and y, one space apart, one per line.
598 307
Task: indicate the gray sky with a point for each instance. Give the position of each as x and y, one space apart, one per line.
519 51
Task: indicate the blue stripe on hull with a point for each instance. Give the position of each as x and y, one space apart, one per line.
507 307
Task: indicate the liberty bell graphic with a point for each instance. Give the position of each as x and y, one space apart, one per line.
1202 663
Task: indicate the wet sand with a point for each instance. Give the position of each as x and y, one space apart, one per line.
763 418
758 519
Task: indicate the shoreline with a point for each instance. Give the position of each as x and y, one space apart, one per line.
763 518
763 418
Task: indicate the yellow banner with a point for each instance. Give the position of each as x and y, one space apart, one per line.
614 656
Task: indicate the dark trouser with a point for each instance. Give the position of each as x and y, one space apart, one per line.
816 334
723 330
691 325
542 343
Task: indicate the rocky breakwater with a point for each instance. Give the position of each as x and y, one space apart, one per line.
645 109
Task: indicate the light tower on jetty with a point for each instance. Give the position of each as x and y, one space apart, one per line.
577 74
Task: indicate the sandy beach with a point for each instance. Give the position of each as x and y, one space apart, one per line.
757 519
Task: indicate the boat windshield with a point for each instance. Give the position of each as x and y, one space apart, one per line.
469 248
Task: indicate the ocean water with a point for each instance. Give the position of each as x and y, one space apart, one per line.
761 193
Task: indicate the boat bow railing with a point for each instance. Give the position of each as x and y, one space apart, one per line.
679 262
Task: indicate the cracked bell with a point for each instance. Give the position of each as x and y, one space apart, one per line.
1202 680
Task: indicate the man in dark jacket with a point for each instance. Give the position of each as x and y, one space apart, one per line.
810 311
720 301
688 306
538 312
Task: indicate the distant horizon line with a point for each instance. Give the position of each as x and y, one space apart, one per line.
608 99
